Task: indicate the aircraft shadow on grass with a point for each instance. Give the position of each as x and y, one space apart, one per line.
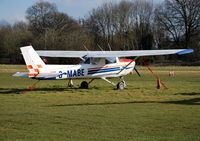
192 93
194 101
20 91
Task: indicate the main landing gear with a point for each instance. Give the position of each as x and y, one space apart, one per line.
120 86
85 84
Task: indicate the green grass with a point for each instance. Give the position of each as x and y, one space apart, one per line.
139 113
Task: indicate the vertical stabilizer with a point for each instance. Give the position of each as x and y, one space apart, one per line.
33 61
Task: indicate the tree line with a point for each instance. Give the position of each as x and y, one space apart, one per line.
127 25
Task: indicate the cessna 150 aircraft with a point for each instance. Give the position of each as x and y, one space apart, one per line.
95 64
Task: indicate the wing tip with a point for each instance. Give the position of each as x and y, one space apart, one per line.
186 51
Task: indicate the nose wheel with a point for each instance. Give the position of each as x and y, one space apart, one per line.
121 85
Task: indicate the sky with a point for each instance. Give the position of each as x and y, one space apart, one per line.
13 11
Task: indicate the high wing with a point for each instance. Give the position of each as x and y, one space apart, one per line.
103 54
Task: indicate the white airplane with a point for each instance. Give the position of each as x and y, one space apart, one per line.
95 64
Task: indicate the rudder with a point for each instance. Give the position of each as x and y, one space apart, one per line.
34 63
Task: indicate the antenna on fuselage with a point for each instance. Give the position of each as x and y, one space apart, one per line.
83 57
100 47
85 47
109 47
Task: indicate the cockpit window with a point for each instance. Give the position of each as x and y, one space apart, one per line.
95 61
110 60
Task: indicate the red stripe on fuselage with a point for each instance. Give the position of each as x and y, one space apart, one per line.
125 60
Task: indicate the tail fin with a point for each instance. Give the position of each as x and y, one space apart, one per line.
33 62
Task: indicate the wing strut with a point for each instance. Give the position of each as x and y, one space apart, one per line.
108 81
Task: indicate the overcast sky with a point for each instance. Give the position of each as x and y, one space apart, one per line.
14 10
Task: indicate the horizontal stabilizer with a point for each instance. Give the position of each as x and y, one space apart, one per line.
21 74
43 75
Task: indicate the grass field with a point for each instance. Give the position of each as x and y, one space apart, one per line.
139 113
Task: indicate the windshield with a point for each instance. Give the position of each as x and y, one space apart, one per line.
96 61
110 60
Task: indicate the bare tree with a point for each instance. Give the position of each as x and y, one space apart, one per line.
53 29
180 18
126 25
99 25
123 24
142 15
40 17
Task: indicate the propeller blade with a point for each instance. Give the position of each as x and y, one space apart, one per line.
137 72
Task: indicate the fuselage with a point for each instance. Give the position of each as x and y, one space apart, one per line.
90 70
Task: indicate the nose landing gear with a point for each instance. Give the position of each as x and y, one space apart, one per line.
121 85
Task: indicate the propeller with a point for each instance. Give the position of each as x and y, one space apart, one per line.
137 72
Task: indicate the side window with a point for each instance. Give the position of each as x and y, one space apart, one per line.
111 60
95 61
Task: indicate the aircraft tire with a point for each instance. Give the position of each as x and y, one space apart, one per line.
120 85
84 85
